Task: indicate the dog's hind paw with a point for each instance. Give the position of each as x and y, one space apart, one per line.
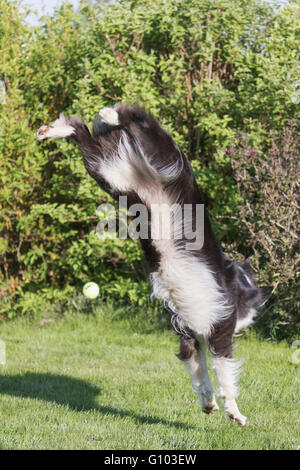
109 116
208 403
240 420
210 410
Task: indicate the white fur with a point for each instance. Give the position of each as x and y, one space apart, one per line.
60 128
246 321
110 116
227 371
129 169
189 289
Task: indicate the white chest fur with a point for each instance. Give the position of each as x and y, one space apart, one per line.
189 289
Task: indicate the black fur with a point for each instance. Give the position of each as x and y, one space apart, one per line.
188 347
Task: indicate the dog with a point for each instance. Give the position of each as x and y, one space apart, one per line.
209 296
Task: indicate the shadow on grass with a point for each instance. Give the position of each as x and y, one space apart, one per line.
69 391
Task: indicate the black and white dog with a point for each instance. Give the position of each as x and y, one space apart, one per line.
209 296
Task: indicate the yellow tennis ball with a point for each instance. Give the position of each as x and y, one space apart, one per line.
90 290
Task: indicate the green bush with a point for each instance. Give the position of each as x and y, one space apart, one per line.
205 69
269 184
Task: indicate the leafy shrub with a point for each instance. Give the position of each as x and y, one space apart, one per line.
269 184
205 69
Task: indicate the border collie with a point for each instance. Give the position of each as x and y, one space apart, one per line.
209 296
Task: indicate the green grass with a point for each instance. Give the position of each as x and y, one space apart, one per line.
99 382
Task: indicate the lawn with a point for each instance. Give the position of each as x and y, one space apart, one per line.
99 382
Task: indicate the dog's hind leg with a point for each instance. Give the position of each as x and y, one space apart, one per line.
193 355
227 372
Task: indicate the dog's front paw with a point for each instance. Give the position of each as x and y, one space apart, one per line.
42 132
